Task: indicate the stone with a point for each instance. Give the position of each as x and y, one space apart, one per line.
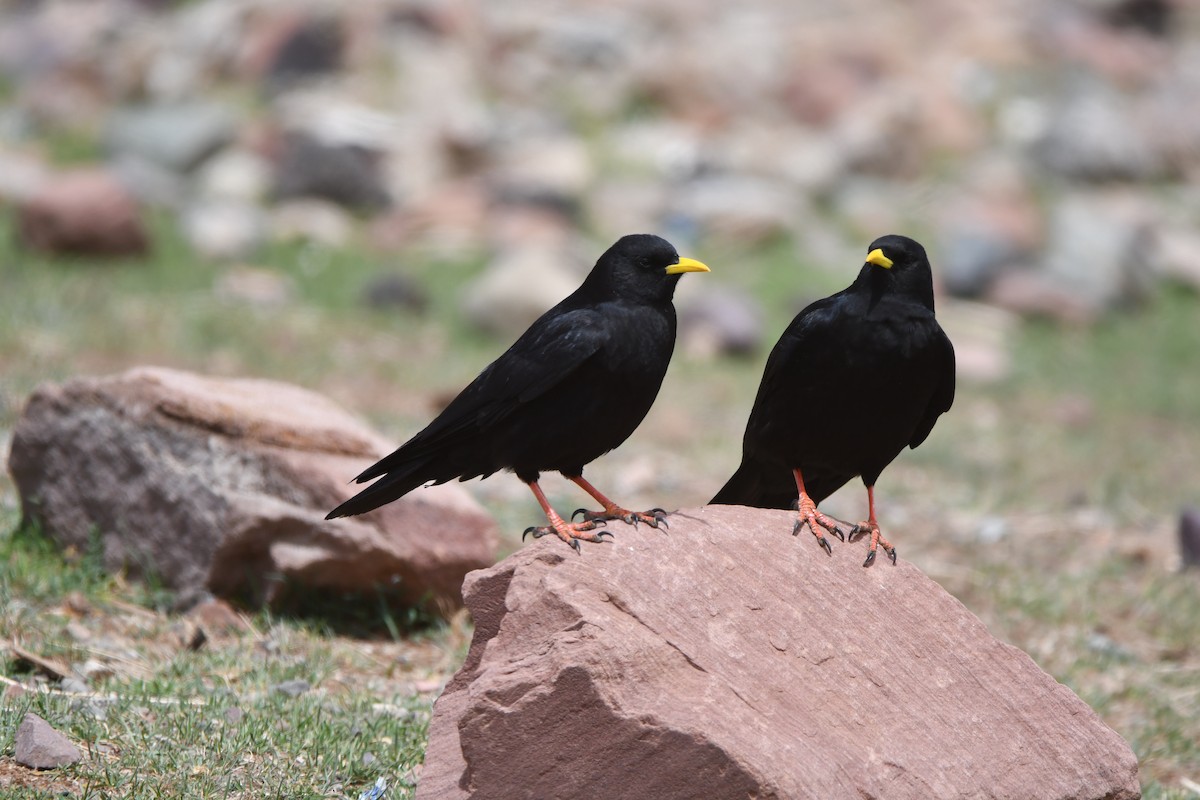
517 288
1100 249
224 229
235 174
223 484
725 658
720 320
311 220
346 174
82 212
1189 537
1177 248
740 208
1092 135
395 290
176 136
38 746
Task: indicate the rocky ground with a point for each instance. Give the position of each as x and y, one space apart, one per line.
368 199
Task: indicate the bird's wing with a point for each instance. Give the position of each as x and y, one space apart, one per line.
546 355
943 395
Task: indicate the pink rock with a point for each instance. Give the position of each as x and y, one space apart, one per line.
86 212
223 485
725 658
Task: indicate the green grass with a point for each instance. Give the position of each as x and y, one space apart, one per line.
172 722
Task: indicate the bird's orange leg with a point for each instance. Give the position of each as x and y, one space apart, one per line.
654 517
872 527
569 532
808 515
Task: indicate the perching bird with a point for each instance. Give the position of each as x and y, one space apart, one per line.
855 378
571 388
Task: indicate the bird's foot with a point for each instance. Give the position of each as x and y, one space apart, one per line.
570 532
872 528
655 517
816 521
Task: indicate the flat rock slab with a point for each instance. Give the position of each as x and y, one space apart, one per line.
222 485
726 659
39 746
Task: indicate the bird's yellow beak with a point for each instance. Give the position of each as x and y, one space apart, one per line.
687 265
877 258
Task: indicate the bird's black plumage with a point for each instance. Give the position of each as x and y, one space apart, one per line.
574 386
854 379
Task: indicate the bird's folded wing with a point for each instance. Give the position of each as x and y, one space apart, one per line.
943 396
549 353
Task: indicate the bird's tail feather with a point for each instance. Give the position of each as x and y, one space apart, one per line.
390 487
752 485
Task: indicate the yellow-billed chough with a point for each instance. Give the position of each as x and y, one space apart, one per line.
854 379
571 388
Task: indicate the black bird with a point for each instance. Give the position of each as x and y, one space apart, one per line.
854 379
571 388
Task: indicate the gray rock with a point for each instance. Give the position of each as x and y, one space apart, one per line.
720 320
235 174
223 485
517 288
1189 537
741 208
292 688
39 746
178 137
395 290
1100 249
346 174
1092 135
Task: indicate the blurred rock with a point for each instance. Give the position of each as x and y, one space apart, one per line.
1100 248
743 209
1179 256
317 221
553 166
177 137
1031 294
38 746
984 338
1189 537
516 288
235 174
346 174
83 212
21 175
150 182
720 320
299 49
223 485
395 290
255 286
224 229
1093 135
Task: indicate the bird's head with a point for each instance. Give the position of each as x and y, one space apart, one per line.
897 263
642 266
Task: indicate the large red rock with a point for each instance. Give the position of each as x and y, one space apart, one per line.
223 485
83 212
726 659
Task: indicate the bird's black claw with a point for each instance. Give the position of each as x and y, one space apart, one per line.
892 555
870 559
575 543
797 527
821 540
531 529
577 512
838 533
600 536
